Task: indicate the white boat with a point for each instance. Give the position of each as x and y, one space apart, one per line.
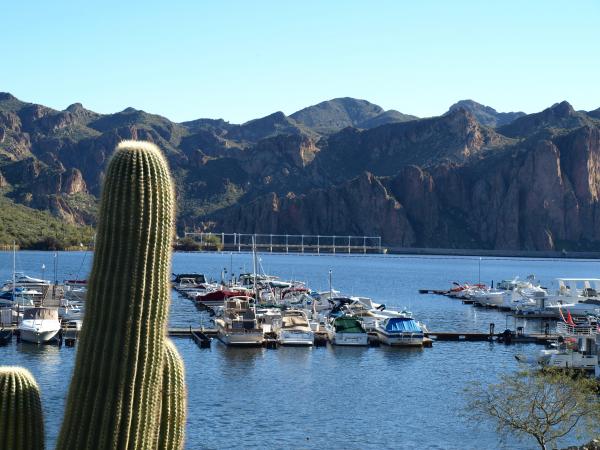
400 331
238 325
295 329
346 330
39 325
576 347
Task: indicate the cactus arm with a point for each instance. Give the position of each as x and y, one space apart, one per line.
173 408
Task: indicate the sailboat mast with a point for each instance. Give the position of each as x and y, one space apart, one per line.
14 277
254 269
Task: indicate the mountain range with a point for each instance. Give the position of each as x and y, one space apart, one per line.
470 178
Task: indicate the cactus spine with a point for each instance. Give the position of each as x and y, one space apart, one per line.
173 408
21 422
114 399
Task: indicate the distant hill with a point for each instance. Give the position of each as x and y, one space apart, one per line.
560 116
471 178
336 114
486 115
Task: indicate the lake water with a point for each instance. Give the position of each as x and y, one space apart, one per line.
324 397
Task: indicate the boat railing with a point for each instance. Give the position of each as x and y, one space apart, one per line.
565 329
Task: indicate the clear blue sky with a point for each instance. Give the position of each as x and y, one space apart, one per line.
240 60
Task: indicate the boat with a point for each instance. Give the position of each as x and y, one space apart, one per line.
239 325
216 298
399 331
195 278
346 330
575 348
295 329
39 325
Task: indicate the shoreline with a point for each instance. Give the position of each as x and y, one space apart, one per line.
388 251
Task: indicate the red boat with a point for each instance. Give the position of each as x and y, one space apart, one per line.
216 298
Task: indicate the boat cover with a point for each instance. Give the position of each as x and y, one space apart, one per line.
40 314
293 321
402 325
347 325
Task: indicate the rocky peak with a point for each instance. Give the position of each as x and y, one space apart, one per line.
81 114
7 96
560 116
336 114
595 113
560 110
485 114
75 108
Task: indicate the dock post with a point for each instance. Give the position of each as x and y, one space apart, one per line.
334 244
318 245
286 244
239 242
271 242
302 244
348 244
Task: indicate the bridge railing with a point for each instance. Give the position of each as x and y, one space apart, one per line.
288 243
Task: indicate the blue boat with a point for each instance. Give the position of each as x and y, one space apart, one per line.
400 331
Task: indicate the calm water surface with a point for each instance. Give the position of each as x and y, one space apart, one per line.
329 397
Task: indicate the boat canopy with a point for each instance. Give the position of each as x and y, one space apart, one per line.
40 314
402 325
348 325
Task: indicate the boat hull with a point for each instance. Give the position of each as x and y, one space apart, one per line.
35 336
297 338
353 339
241 339
400 339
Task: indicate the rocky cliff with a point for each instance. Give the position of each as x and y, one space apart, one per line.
472 177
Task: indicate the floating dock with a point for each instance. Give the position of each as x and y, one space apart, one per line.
204 336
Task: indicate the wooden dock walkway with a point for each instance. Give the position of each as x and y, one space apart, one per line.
203 335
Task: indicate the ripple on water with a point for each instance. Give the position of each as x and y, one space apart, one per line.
329 397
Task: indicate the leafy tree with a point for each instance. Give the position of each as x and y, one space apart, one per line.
545 406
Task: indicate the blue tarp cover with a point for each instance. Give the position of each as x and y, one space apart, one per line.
402 325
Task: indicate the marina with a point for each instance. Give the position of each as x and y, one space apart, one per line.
430 380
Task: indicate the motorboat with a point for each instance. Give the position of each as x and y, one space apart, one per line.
238 326
369 312
295 328
188 278
575 348
399 331
217 298
346 330
39 325
16 299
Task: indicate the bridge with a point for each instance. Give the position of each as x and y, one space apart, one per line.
288 243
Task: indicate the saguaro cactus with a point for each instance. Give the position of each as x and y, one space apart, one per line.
173 408
114 399
21 423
